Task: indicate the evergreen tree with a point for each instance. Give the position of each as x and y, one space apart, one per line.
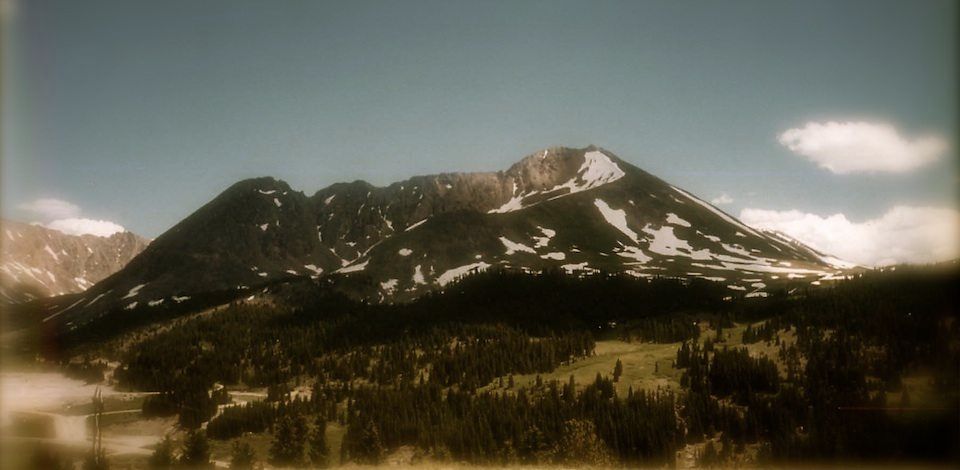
580 444
288 442
369 445
195 452
242 457
617 370
162 456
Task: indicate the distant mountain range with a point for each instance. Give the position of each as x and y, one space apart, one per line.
577 210
37 262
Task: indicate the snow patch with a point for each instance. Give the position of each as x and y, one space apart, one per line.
354 268
52 253
404 252
414 225
557 255
389 286
615 217
543 241
418 276
450 275
676 220
634 253
96 299
570 268
665 242
513 247
133 292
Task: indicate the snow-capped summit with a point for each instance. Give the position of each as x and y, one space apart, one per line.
577 210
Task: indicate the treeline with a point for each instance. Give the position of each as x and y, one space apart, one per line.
256 416
661 329
552 424
413 374
726 372
842 398
252 346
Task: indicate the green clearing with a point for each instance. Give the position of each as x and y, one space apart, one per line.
645 366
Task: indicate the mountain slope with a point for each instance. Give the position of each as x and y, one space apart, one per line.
38 262
579 210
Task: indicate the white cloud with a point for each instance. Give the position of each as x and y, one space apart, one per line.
65 217
861 147
50 208
721 200
905 234
76 226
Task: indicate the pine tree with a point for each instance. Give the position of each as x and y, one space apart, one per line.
370 446
580 444
617 371
319 451
288 442
196 450
243 457
162 456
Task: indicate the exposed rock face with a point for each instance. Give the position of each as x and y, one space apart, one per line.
39 262
579 210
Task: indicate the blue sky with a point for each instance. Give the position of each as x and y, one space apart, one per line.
140 112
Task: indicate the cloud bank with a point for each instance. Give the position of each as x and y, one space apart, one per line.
50 208
65 216
76 226
905 234
861 147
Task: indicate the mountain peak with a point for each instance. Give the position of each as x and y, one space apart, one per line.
261 183
578 210
37 261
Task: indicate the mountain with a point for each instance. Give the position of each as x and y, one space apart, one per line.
577 210
38 262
